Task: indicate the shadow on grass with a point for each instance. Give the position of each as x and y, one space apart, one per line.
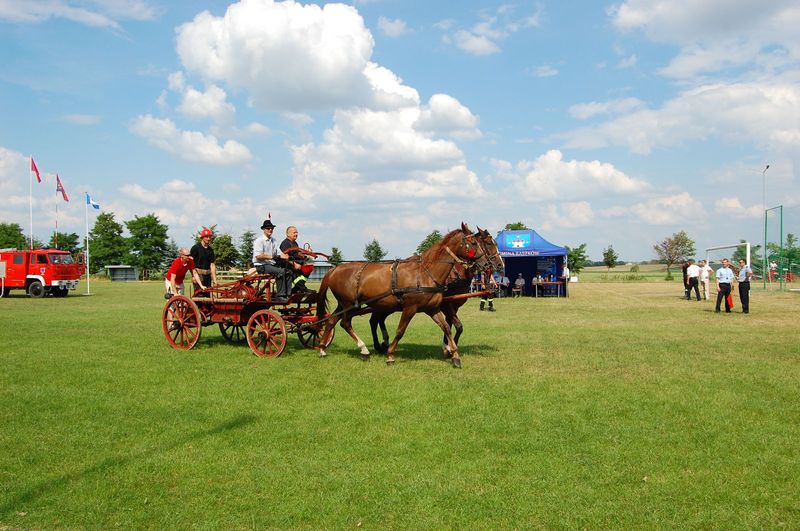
18 502
415 351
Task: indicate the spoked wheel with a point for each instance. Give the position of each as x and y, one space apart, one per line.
266 334
233 333
181 322
310 336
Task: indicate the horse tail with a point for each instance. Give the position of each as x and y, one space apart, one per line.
322 299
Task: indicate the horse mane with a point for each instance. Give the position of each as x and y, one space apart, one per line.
436 250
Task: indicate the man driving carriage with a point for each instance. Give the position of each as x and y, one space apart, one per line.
265 256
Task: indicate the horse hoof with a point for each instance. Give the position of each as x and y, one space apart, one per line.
456 363
322 353
390 362
364 357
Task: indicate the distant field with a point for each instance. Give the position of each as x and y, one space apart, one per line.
624 406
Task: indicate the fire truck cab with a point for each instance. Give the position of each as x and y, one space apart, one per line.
39 272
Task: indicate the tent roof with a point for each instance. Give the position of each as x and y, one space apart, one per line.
526 243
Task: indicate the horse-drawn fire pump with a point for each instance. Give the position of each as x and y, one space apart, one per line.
244 310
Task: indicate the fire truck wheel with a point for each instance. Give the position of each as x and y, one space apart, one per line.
4 292
36 289
59 292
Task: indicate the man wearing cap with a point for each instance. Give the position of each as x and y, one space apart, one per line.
265 251
204 258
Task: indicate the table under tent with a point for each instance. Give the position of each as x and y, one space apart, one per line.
526 252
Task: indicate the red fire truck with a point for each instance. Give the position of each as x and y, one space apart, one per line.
39 272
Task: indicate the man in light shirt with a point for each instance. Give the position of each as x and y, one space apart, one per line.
745 274
724 280
705 270
692 275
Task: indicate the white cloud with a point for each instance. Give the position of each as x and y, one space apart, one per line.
475 44
299 119
733 207
392 28
568 215
628 62
550 177
446 115
188 145
583 111
678 209
544 71
82 119
762 113
370 156
713 34
105 14
211 104
287 56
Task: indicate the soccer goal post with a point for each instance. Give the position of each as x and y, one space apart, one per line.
714 255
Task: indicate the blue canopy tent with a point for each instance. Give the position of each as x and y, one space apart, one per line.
526 252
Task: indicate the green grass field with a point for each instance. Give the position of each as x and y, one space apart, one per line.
624 406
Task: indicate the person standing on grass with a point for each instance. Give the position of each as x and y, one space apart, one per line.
177 271
705 269
204 258
693 274
684 269
745 274
724 280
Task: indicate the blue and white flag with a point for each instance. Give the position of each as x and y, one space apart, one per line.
90 202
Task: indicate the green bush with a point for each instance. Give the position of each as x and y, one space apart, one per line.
635 268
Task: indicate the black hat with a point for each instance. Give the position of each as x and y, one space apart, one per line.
267 224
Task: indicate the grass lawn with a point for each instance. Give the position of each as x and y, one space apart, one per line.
624 406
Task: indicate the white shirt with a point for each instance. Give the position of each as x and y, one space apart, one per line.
566 272
704 271
693 271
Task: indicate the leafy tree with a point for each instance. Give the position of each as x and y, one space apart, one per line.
429 241
107 246
11 236
610 257
246 249
739 254
576 258
373 251
148 243
675 249
336 256
67 241
517 225
225 251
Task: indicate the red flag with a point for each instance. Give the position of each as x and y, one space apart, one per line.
35 170
60 188
730 301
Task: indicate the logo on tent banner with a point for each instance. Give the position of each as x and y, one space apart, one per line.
519 253
518 241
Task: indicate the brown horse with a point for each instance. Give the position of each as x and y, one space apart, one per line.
410 286
458 284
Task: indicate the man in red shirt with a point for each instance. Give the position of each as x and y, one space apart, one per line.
176 272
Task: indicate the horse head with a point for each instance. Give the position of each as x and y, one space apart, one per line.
489 247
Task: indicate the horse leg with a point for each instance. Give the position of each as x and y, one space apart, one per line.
441 320
376 320
327 332
405 318
447 310
348 326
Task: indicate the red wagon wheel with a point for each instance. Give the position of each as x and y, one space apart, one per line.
266 334
309 336
233 333
181 322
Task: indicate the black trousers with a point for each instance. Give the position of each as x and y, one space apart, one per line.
693 284
724 291
279 273
744 295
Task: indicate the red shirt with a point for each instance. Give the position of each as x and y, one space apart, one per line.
179 269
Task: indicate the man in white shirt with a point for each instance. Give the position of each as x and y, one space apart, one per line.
692 277
705 272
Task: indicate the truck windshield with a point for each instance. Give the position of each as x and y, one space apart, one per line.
61 259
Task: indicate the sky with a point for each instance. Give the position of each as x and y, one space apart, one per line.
607 123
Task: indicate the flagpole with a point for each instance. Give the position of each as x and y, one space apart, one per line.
86 212
55 236
30 197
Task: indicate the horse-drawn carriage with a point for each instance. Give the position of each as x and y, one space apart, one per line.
245 310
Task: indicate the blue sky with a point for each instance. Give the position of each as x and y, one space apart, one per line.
615 123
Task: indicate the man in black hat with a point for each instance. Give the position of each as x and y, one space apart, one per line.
265 251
